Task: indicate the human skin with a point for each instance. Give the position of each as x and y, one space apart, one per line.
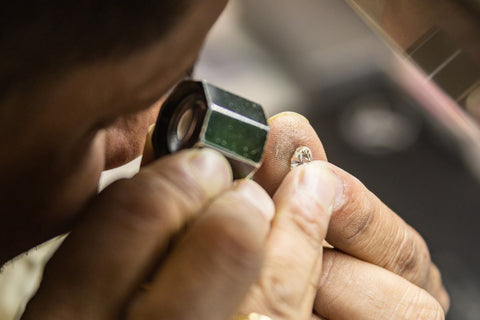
180 240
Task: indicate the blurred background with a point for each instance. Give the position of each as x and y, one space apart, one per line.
341 64
363 73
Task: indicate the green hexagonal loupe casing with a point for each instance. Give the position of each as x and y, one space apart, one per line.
198 114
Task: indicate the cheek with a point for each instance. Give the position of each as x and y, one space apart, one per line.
125 138
43 201
77 187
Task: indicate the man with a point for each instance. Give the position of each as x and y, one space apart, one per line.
180 240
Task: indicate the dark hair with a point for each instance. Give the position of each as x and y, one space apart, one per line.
37 37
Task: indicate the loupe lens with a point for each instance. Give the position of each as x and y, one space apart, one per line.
186 122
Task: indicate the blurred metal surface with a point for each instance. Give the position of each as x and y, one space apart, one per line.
442 37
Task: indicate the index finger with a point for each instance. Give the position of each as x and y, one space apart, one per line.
288 131
124 233
364 227
361 224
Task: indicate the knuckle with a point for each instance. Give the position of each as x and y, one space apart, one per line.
412 260
433 281
314 232
308 218
177 185
421 306
435 287
336 265
329 266
435 276
358 215
130 197
151 199
234 239
278 294
406 259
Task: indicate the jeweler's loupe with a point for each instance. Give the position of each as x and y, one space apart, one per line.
198 114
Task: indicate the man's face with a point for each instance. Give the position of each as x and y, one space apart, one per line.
59 135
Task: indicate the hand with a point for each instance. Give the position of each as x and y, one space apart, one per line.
121 262
123 241
379 268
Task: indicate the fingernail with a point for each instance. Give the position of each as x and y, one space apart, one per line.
210 168
319 182
288 114
256 196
